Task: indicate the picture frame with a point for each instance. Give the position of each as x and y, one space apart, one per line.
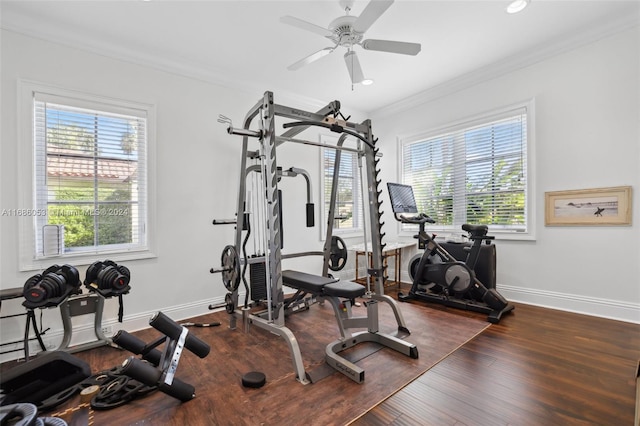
588 207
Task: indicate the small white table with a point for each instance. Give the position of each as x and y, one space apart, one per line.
392 249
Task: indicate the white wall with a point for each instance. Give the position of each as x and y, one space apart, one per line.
587 135
587 112
197 172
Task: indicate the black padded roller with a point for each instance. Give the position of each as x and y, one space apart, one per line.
149 375
129 342
173 330
141 371
133 344
179 390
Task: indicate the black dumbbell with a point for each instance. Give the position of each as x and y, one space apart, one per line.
107 275
52 283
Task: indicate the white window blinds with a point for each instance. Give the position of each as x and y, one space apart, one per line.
348 213
90 174
475 173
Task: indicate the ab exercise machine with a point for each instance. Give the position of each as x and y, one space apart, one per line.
55 377
259 213
439 277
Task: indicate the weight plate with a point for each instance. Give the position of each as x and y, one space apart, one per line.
229 306
338 254
231 268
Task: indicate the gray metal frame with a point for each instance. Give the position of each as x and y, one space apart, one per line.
82 304
273 320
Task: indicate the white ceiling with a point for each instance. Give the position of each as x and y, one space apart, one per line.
243 44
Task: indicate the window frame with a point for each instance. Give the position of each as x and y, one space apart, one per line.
453 231
29 258
357 231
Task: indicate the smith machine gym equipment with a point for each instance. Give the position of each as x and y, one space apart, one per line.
267 218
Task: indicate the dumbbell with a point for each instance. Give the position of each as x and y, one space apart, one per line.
52 283
107 275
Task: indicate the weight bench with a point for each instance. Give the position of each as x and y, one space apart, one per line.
341 295
322 286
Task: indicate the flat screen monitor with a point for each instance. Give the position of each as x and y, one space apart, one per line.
402 199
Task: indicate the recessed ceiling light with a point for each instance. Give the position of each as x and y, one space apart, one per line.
517 6
367 82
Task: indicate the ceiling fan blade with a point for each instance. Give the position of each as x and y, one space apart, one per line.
311 58
353 65
299 23
370 14
402 47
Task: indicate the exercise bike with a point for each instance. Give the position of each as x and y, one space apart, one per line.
438 276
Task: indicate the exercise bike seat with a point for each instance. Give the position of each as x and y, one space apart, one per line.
476 230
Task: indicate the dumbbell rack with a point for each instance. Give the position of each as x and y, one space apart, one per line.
15 293
82 304
73 305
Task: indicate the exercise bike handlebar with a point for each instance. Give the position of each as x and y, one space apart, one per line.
421 218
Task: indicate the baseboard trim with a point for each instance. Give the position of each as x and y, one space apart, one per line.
140 321
599 307
593 306
85 333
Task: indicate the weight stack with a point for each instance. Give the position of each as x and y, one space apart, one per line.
258 281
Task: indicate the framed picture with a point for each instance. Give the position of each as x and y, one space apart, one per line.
600 206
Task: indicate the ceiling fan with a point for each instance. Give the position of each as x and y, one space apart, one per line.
348 31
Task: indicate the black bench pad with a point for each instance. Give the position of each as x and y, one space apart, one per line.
345 289
306 282
322 285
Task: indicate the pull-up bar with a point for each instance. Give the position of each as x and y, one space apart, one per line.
324 145
334 127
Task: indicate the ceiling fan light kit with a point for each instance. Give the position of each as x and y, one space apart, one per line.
348 31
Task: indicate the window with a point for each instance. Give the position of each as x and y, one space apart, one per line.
348 214
472 173
89 176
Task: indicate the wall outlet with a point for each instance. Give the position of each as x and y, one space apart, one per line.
107 330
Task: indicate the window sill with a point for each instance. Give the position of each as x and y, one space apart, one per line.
84 259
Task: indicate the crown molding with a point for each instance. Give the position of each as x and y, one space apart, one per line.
508 65
217 77
122 53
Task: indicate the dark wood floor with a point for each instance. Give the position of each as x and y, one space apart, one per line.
537 367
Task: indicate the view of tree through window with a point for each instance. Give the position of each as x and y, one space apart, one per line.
90 176
472 175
